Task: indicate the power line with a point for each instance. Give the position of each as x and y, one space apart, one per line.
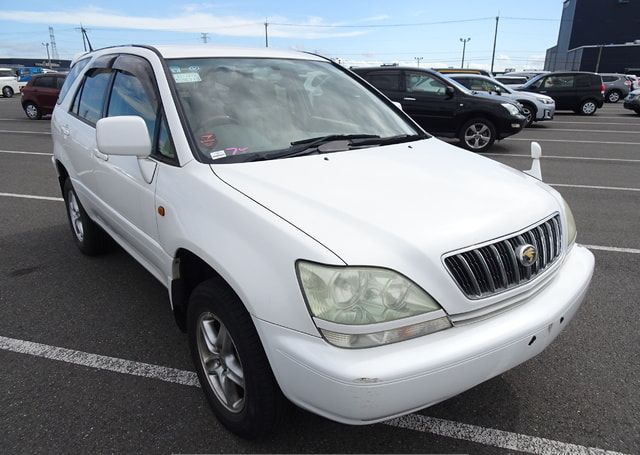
408 24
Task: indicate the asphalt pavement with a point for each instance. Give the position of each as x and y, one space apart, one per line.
582 392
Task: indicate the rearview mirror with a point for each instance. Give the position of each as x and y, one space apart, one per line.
449 91
126 135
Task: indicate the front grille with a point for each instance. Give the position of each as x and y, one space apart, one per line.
494 268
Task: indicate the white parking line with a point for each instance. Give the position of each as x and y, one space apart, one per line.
573 130
613 249
492 437
20 152
31 196
447 428
25 132
555 122
575 141
556 157
594 187
101 362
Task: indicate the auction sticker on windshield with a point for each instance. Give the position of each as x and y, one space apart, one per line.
182 78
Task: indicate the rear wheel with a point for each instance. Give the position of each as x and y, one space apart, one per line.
588 107
7 92
89 237
614 96
477 135
32 111
232 366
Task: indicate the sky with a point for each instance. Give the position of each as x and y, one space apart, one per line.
354 31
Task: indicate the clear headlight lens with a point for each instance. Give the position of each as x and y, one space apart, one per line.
572 231
547 101
511 108
358 296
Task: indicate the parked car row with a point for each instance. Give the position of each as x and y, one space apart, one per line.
478 109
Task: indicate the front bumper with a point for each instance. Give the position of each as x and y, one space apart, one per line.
545 112
633 104
369 385
510 125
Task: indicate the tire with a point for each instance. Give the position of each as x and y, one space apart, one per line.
477 134
588 107
32 111
251 410
89 237
530 113
7 92
614 96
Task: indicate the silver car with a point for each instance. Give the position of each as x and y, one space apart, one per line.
535 106
617 86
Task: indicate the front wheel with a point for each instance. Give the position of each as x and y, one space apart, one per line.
588 107
529 113
7 92
231 364
89 237
477 135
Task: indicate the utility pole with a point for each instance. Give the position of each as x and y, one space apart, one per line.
464 48
599 57
418 60
495 39
48 55
205 37
266 32
54 48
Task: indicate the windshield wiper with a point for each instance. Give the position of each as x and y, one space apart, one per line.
390 140
311 145
310 142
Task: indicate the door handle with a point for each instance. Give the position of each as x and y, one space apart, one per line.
65 130
543 91
408 98
98 154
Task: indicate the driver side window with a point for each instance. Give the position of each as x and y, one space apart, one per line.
424 83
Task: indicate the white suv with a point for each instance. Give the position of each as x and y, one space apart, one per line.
316 244
9 84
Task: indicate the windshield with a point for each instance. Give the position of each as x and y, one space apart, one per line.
245 106
534 82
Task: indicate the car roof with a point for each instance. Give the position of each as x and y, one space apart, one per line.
207 50
394 68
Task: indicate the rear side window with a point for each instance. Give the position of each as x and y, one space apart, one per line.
91 96
609 78
384 80
7 73
587 80
45 82
71 77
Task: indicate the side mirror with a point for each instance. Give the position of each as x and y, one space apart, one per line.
498 91
126 135
449 92
398 105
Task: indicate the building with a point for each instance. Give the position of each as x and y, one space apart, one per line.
597 35
58 65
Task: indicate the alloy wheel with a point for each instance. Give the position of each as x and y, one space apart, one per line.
477 135
75 216
7 92
614 97
589 107
31 110
220 361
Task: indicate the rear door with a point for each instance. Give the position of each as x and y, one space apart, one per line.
560 87
425 99
46 92
388 82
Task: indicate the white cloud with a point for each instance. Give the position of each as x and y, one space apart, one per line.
193 19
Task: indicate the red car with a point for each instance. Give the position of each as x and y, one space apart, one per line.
40 94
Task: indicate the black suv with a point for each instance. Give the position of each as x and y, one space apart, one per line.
580 92
444 107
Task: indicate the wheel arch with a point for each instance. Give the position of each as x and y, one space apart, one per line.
63 174
475 114
189 270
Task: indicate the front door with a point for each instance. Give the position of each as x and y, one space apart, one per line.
560 87
425 99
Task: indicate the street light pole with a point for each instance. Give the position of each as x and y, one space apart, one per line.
48 56
464 48
418 60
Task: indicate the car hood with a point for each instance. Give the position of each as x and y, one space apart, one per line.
401 206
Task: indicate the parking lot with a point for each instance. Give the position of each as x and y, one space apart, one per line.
91 359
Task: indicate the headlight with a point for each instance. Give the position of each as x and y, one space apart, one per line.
547 101
511 108
572 232
357 307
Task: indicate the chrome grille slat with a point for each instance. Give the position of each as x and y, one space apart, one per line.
485 271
